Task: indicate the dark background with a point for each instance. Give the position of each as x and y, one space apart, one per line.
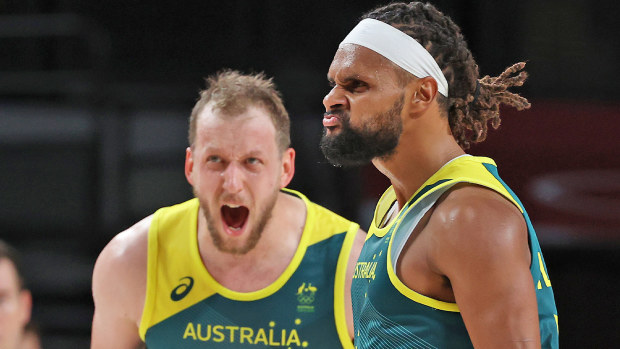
94 98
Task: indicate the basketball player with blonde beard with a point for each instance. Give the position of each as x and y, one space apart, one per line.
247 263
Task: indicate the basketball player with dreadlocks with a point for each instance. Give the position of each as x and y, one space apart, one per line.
451 259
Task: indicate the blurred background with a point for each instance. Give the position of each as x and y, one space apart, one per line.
95 95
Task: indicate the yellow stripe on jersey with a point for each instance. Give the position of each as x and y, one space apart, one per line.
166 224
383 207
320 215
341 270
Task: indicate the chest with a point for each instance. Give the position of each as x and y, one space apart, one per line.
249 277
293 314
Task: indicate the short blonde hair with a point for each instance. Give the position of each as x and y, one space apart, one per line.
231 93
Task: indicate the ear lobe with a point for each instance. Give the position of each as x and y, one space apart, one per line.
25 297
189 165
288 167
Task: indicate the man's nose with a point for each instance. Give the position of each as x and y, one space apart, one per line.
233 178
335 99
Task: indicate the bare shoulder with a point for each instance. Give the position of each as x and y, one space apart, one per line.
356 249
479 242
126 252
119 277
358 243
119 288
471 220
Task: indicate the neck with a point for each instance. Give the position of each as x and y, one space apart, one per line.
424 147
263 264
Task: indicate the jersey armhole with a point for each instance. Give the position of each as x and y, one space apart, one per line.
410 220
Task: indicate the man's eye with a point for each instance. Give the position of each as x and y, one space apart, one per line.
358 86
213 158
253 161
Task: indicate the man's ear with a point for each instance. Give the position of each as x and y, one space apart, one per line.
288 167
189 165
424 93
25 300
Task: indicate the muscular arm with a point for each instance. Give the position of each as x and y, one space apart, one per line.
119 285
360 237
481 246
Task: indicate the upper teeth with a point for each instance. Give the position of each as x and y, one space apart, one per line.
232 206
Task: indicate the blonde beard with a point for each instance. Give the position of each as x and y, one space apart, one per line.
254 235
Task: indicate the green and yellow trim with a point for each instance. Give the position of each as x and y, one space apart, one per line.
339 287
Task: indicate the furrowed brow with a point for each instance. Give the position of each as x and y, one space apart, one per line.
348 80
331 81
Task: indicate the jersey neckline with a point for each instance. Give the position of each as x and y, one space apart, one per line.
274 286
389 196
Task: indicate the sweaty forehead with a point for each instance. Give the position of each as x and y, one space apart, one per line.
252 128
352 59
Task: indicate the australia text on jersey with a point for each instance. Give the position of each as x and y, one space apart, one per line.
365 270
271 336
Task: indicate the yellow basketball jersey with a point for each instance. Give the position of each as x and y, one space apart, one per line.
186 307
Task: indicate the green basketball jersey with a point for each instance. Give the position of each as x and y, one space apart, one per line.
388 314
186 307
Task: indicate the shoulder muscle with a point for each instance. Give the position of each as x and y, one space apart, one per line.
476 219
119 286
481 245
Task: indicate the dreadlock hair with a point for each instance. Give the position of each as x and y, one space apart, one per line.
471 102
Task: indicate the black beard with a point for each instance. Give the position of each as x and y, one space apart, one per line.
376 139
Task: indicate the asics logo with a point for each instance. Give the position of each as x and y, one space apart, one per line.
183 289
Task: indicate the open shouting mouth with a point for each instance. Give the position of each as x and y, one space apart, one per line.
235 218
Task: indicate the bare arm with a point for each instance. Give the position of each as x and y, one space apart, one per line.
360 237
119 287
482 247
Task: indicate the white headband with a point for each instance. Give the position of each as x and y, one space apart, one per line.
398 47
